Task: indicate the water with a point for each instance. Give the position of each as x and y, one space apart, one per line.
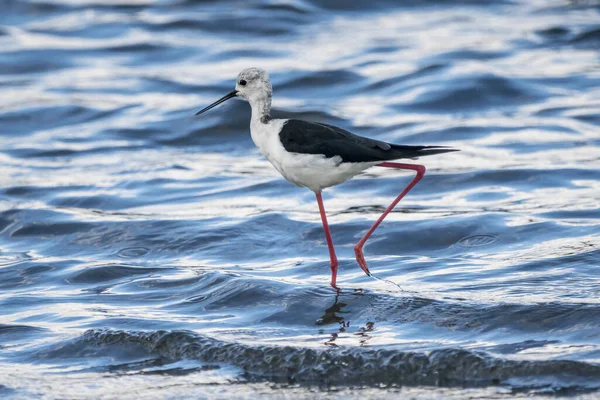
147 252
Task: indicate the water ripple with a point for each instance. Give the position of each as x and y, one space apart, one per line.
191 265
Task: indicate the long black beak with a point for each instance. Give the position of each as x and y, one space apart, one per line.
216 103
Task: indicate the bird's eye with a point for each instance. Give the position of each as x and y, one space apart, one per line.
242 82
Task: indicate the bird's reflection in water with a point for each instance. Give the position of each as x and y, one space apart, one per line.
331 341
331 316
363 333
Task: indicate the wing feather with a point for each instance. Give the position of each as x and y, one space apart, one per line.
306 137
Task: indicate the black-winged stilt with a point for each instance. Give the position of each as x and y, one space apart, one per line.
316 155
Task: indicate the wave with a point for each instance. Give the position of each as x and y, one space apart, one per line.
343 367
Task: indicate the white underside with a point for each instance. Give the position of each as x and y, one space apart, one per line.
313 171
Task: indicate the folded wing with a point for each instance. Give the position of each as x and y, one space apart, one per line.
305 137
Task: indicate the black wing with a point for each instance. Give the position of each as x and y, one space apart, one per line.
305 137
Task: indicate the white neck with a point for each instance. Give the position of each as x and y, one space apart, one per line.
261 107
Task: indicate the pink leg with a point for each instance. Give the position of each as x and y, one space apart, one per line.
333 259
358 249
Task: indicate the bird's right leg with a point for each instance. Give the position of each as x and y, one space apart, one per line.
333 259
420 172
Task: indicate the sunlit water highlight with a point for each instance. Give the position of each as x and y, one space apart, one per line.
147 251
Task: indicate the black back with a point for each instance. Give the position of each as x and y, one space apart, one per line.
305 137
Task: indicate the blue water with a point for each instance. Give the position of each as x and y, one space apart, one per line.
145 252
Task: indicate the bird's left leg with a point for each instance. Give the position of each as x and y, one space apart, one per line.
333 259
358 249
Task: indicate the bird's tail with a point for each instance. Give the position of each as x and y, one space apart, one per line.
420 151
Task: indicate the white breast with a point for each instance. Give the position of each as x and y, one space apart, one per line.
313 171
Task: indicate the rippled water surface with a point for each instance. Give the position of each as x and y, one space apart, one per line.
145 252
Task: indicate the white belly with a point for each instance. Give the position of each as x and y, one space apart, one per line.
313 171
317 172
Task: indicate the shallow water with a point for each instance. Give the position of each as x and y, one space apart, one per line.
145 251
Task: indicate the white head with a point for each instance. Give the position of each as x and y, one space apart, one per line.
254 85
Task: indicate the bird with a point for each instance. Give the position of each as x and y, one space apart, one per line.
316 156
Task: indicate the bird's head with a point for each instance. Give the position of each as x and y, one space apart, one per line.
253 84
